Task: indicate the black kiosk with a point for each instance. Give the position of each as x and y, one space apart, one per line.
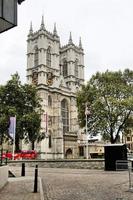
113 153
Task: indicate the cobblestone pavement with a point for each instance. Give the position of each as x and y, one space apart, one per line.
85 185
19 189
77 184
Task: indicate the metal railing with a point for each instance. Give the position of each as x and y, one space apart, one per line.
126 165
121 165
130 171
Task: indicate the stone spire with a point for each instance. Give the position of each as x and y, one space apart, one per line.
70 39
54 31
31 29
80 43
42 23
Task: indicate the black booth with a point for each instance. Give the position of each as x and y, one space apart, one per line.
113 153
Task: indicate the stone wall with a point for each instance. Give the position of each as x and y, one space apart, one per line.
3 175
74 164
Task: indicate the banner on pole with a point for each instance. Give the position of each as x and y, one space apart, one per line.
12 127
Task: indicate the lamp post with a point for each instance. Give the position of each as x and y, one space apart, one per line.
8 14
87 113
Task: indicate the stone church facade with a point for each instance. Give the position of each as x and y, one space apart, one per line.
58 72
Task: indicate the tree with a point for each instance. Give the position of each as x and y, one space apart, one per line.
32 116
3 118
32 128
109 97
127 132
20 101
10 103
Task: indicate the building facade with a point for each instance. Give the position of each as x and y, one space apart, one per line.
58 73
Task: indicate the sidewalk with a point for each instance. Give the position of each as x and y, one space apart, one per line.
20 188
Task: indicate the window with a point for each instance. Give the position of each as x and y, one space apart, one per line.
65 68
36 57
49 101
76 68
48 61
81 151
35 78
128 138
65 115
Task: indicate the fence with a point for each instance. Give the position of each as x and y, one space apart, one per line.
130 170
122 165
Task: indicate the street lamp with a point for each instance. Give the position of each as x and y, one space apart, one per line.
8 14
87 113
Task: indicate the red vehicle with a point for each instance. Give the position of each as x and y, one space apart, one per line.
24 154
9 156
28 154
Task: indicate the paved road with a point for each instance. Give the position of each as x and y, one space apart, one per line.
68 184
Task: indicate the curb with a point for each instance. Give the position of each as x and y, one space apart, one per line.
30 178
41 189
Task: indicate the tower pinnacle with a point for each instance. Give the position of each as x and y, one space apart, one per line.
80 43
31 29
70 39
42 23
54 31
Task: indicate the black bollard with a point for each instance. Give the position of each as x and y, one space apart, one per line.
36 179
1 156
6 158
23 169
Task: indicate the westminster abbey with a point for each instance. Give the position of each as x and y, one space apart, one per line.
58 72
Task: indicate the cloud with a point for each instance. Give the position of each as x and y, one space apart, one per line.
105 27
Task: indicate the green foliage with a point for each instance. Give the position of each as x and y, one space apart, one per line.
23 102
109 97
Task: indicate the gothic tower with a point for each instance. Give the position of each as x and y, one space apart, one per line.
58 72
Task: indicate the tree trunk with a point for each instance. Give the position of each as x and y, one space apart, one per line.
17 144
111 136
114 140
33 145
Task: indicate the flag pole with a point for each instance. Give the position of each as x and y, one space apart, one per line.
14 133
87 114
86 122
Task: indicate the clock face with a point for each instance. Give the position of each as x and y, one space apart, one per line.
50 78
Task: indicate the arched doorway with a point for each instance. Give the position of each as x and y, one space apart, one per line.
69 153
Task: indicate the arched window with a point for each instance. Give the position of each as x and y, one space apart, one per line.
36 57
76 68
65 115
49 101
65 68
48 61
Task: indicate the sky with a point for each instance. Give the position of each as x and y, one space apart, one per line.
105 26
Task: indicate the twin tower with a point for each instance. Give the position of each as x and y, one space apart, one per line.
58 73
